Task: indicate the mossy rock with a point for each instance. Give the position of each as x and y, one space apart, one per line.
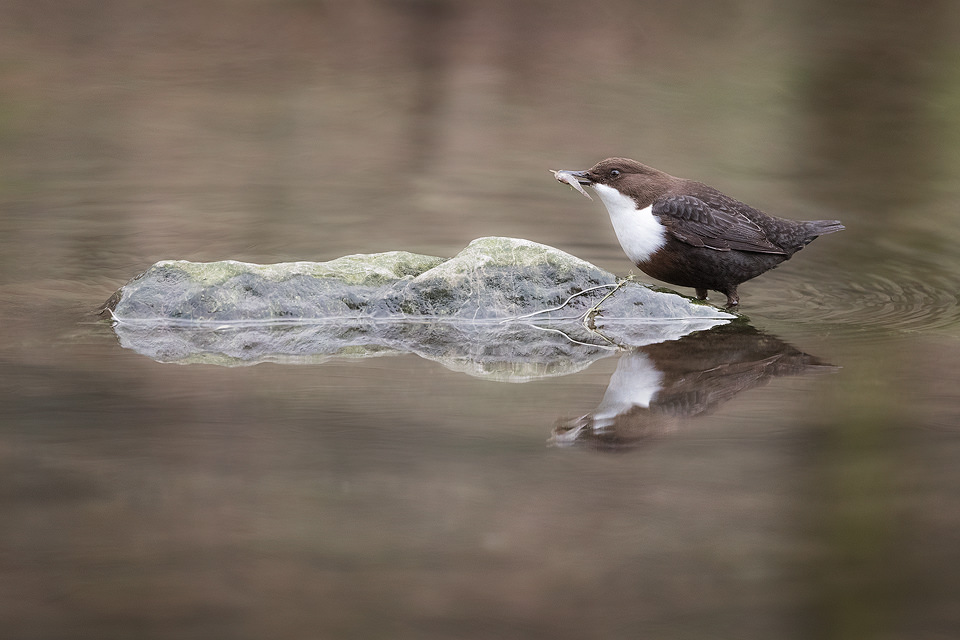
502 308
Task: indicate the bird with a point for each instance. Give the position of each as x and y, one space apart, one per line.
689 234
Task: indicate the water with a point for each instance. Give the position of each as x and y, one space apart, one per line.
392 497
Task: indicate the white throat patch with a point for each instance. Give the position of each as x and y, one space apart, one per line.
639 232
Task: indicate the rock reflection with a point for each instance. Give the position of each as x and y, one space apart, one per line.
657 388
509 352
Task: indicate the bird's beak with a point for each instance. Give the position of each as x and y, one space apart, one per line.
582 177
574 179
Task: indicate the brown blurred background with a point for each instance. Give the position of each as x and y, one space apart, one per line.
390 497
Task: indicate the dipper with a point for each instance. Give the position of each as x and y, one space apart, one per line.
688 234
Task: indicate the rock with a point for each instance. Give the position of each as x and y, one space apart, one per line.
503 307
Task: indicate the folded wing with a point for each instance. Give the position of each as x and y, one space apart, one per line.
693 221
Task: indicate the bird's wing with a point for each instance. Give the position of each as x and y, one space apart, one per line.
693 221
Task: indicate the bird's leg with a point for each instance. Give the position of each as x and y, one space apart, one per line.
733 298
701 294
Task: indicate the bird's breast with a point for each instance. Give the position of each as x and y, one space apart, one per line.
638 230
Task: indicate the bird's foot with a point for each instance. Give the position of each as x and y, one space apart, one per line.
733 298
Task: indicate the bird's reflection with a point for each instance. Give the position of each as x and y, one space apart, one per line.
657 388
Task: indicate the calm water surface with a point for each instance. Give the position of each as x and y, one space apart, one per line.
798 479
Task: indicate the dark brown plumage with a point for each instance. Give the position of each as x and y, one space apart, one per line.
689 234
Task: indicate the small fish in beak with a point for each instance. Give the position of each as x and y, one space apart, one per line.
570 179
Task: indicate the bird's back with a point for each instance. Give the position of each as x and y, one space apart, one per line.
791 235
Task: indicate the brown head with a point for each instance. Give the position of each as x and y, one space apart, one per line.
632 179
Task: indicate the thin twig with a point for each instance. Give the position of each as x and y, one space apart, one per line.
592 312
575 341
565 303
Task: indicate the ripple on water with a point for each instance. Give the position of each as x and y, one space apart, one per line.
868 301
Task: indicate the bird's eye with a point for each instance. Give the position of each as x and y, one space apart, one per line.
614 173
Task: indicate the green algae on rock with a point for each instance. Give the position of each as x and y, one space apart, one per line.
491 279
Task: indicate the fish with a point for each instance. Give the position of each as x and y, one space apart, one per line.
565 176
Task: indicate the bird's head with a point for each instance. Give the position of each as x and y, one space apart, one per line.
628 177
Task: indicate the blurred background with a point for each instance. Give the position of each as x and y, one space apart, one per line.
391 497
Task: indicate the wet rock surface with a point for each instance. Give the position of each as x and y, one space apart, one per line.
503 307
492 278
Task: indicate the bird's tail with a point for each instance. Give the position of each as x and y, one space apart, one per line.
817 228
